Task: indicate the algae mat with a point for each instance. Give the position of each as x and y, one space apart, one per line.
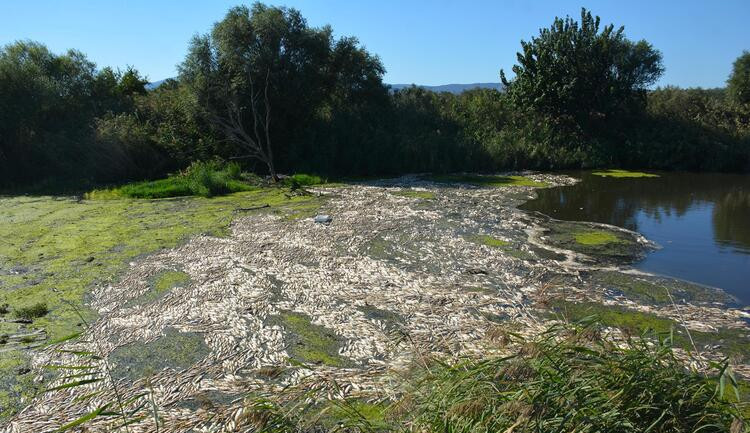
54 250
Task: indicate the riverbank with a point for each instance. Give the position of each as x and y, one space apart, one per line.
407 266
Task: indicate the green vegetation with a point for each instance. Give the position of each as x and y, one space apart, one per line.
491 181
567 379
595 238
738 85
301 179
311 343
411 193
170 279
597 243
570 380
62 247
731 341
204 179
32 312
162 283
623 173
334 116
488 241
653 290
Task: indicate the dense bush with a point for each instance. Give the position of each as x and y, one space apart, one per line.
205 179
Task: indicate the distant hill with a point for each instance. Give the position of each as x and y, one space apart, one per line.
452 88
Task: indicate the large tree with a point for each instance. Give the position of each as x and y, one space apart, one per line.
263 75
738 84
574 72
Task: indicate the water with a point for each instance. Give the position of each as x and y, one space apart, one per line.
701 221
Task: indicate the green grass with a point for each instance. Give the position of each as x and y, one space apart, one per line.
569 380
490 181
301 179
204 179
411 193
595 238
623 174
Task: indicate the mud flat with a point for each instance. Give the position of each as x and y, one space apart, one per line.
407 267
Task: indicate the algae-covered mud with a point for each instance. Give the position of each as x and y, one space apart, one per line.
192 324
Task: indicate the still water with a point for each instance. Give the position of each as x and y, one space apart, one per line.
701 221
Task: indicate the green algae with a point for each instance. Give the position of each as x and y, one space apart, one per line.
657 290
488 241
411 193
488 181
606 245
310 343
732 342
175 350
17 385
67 246
55 249
160 285
623 174
595 238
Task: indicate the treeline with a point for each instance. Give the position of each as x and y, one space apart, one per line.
266 90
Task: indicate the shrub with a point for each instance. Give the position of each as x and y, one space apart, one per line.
205 179
32 312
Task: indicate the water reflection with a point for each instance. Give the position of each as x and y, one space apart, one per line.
702 221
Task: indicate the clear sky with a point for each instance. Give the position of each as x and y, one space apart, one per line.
424 42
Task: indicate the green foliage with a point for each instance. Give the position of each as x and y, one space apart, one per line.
572 71
569 379
48 103
738 85
623 173
32 312
301 179
204 179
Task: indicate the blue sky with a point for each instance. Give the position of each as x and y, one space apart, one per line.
425 42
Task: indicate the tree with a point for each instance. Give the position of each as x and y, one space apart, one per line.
261 75
738 84
573 73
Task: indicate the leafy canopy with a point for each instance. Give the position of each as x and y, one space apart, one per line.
738 84
575 71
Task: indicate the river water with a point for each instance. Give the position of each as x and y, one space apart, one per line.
701 221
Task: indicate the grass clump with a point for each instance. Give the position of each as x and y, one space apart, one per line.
202 178
569 379
623 174
302 180
487 180
32 312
